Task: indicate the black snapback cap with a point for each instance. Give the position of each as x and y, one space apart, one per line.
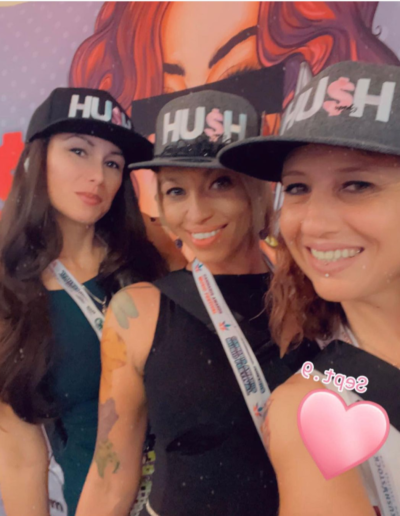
89 111
349 104
191 129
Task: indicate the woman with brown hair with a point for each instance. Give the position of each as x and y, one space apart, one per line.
337 276
71 235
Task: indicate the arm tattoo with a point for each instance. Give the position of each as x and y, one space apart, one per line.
105 454
113 356
123 308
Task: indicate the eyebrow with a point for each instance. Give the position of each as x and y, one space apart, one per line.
173 69
77 135
355 168
292 173
174 178
232 43
344 170
176 69
166 179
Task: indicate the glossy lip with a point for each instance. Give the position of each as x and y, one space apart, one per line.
89 198
331 267
206 242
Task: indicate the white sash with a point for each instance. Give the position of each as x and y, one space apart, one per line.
79 295
244 363
96 319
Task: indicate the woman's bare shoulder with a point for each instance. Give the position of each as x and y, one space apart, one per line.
137 301
132 318
280 415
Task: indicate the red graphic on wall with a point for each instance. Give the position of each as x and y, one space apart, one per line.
10 151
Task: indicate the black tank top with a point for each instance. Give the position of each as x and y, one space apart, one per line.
209 456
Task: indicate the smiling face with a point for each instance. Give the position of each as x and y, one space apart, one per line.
340 220
205 42
83 175
209 210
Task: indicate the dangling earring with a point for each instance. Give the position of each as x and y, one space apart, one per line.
268 239
271 241
178 243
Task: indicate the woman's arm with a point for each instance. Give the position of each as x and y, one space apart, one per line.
23 466
303 491
115 472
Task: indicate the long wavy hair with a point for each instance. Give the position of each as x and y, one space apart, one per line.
297 313
30 239
125 55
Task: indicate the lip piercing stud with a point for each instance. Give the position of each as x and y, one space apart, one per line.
326 275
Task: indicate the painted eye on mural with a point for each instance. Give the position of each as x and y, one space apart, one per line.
236 70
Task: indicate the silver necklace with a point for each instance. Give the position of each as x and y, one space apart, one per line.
102 303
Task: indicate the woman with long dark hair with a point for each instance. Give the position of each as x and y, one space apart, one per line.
71 224
337 282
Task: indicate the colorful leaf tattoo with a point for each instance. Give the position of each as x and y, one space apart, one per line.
105 454
113 356
124 309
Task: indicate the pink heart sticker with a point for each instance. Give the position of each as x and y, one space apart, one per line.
340 437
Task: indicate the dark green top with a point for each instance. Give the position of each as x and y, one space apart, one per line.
75 381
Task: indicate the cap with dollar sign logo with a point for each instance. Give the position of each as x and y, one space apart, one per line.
349 104
192 129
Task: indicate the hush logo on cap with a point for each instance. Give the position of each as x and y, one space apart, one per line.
90 109
343 96
215 125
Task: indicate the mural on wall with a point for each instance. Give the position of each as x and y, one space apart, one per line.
142 49
138 50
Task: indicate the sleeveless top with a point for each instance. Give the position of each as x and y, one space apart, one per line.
75 379
209 456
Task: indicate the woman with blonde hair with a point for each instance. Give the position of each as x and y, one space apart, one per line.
181 352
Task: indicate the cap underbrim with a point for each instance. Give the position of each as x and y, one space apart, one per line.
185 162
263 157
134 146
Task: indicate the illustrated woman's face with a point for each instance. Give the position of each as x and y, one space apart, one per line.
204 42
340 220
208 209
83 175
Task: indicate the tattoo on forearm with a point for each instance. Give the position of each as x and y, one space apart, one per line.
113 356
107 418
105 454
124 309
